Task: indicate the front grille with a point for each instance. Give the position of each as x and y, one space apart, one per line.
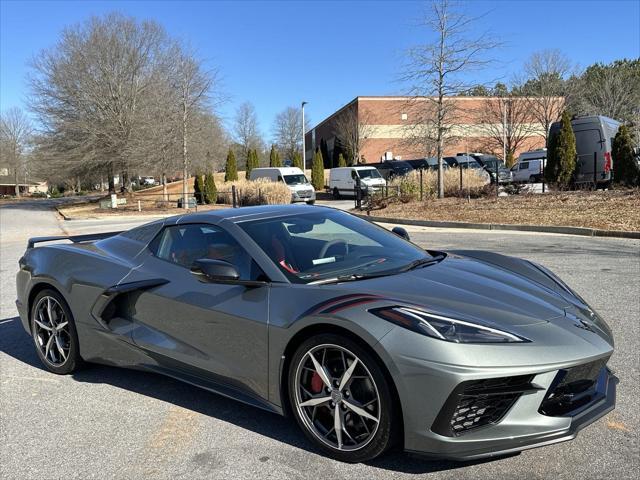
477 403
573 388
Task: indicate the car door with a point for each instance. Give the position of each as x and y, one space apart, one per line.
214 331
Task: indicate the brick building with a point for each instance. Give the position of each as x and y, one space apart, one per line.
390 126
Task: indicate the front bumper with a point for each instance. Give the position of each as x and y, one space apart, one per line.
425 386
470 447
308 196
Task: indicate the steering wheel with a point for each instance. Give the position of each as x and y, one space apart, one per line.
328 245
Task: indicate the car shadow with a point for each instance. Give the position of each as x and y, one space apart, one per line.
15 343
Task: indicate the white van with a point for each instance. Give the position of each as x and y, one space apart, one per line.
342 180
301 189
529 167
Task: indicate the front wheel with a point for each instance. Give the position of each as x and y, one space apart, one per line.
336 193
341 399
311 202
54 332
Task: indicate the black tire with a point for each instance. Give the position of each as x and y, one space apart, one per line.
533 179
311 202
336 193
72 360
388 428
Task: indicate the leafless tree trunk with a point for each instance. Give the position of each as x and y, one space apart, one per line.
194 85
287 129
444 69
245 128
353 129
545 86
507 124
15 136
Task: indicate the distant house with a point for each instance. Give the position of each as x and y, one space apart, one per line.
8 186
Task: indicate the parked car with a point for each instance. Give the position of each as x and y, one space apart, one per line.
392 168
490 163
530 166
594 136
295 179
427 163
362 338
342 180
148 181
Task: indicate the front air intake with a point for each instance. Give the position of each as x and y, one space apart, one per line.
478 403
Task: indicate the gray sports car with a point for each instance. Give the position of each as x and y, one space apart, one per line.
367 340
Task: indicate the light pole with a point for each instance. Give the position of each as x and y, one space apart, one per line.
304 153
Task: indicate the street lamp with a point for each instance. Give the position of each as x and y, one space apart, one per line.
304 160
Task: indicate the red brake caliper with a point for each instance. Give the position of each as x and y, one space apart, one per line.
316 383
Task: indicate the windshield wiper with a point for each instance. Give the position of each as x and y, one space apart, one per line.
422 262
350 278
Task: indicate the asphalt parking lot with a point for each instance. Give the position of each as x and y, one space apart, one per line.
105 422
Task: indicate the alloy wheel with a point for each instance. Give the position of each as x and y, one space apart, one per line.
337 397
51 331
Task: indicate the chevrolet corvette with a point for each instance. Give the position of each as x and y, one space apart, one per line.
367 340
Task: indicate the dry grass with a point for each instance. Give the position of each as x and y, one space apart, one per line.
256 192
409 185
607 210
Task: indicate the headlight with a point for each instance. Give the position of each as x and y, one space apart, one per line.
444 328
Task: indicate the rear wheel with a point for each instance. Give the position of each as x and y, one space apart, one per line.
532 179
341 398
336 193
54 332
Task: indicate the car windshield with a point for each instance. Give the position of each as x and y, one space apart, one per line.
297 179
369 173
323 245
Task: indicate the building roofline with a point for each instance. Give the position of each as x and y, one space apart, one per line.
402 98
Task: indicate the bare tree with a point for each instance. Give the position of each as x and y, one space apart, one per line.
88 89
15 136
193 85
545 86
287 130
352 129
507 124
245 128
612 90
444 69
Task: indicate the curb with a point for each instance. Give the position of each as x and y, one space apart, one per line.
581 231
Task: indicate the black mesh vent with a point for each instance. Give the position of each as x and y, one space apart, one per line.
478 403
572 389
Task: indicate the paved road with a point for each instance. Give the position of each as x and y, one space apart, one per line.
105 422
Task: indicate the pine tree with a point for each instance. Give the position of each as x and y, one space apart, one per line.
274 157
198 187
252 162
296 161
231 169
317 171
561 154
341 161
210 190
625 167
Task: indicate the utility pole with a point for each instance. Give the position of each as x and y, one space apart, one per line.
304 153
504 147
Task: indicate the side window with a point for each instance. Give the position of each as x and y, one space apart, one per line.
184 244
524 165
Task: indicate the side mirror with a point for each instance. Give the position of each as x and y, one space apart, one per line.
401 232
211 270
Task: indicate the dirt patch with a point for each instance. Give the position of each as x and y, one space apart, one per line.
606 210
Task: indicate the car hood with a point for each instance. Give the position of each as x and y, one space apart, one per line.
473 289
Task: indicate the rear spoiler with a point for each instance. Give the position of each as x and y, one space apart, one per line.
73 238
